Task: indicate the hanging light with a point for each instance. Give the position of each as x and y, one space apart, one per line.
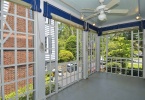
138 17
82 16
102 16
94 24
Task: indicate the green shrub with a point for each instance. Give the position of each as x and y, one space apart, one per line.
113 64
47 89
23 96
71 45
65 56
20 92
115 67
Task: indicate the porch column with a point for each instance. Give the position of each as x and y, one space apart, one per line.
85 55
98 54
143 62
39 29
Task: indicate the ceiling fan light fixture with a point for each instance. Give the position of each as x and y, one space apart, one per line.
102 17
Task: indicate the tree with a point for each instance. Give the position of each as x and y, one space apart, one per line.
65 56
61 44
65 31
71 45
119 46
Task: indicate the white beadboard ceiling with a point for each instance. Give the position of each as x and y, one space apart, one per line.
132 5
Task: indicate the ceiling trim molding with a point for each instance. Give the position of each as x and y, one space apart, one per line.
50 9
65 9
130 25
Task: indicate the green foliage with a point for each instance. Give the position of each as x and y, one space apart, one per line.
21 94
135 66
22 91
61 44
66 39
65 31
47 89
65 56
119 47
71 44
113 64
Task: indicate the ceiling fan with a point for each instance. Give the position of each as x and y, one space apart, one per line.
103 9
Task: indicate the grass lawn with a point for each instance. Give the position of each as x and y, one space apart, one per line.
134 65
140 59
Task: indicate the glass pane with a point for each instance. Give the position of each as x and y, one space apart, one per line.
31 69
123 71
21 10
135 72
9 40
9 57
128 72
30 27
31 96
140 73
21 56
9 74
21 25
21 40
10 22
31 84
30 41
21 71
9 91
22 88
31 55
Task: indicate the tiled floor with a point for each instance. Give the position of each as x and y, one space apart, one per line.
104 86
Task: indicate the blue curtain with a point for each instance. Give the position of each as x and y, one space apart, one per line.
35 4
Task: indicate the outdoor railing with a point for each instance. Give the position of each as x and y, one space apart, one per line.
125 66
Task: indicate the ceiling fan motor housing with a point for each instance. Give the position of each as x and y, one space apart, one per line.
100 8
101 1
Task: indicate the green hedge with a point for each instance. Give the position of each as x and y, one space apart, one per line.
116 69
114 65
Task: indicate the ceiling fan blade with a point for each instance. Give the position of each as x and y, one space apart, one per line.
87 9
111 4
119 11
93 15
